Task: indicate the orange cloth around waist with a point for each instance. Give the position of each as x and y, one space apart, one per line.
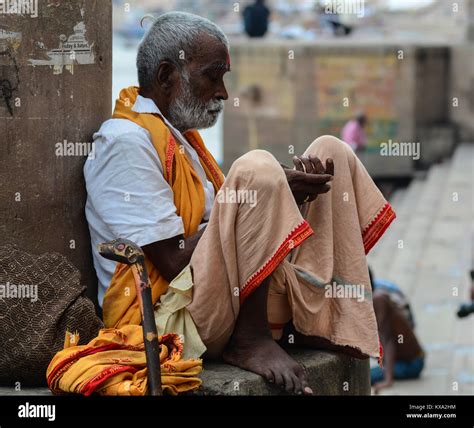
114 363
120 306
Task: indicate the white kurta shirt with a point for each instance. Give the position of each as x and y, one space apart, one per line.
127 195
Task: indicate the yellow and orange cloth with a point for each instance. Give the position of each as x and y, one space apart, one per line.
114 363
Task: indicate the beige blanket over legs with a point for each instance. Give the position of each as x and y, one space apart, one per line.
249 240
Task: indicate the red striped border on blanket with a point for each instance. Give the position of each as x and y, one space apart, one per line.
61 366
295 238
376 228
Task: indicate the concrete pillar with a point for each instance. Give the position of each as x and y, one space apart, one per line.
55 90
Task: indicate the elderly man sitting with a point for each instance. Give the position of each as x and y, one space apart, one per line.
274 253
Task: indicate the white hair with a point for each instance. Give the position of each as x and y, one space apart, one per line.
172 37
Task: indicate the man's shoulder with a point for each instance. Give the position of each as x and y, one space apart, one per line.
112 129
117 142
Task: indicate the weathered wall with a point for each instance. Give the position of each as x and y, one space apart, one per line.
55 73
432 85
306 90
462 89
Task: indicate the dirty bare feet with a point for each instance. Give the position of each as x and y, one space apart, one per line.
253 348
262 355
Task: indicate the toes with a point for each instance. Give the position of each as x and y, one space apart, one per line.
268 375
289 384
298 389
279 381
305 388
299 370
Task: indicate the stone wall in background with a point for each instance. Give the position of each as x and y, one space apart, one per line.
284 94
462 89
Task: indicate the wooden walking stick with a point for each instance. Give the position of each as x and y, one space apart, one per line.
129 253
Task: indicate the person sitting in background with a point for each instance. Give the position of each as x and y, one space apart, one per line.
353 132
403 356
256 19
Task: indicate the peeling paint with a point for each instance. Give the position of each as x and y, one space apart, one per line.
72 50
9 39
9 86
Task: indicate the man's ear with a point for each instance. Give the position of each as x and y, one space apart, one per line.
166 75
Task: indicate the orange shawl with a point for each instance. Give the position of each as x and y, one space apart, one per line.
119 307
114 363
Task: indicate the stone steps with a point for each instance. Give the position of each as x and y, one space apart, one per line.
380 257
437 232
404 261
445 265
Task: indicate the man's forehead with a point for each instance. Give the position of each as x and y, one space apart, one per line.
209 51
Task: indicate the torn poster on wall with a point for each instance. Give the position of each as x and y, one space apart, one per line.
9 40
72 50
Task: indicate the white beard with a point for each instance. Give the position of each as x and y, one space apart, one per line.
188 112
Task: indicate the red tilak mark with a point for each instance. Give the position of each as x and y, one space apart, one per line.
227 60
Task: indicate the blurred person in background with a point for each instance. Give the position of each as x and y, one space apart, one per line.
354 134
403 356
256 19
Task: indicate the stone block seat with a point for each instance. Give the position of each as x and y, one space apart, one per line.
328 373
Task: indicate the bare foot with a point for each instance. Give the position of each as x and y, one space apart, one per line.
262 355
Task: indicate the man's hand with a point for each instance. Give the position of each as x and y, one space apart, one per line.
309 178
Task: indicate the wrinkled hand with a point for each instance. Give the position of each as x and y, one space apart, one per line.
309 178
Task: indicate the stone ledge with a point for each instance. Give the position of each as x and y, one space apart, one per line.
327 373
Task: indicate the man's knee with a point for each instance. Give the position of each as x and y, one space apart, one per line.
255 158
329 146
260 167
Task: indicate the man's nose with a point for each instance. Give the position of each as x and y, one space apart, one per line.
221 93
